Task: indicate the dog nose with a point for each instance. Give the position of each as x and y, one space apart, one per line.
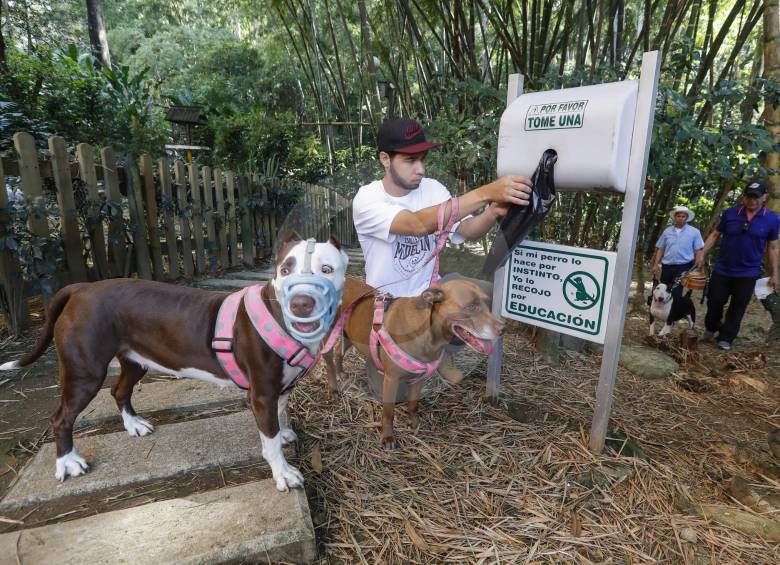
302 305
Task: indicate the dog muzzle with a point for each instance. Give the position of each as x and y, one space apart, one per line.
311 328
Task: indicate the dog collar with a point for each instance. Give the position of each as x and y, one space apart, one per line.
379 338
274 335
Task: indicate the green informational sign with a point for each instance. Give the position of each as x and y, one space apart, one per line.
556 115
562 288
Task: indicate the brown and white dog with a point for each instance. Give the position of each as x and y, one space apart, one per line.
151 325
422 326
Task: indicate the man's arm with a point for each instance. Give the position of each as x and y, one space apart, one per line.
773 248
510 190
477 226
708 244
659 253
698 259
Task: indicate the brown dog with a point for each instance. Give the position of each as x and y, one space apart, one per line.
170 328
422 326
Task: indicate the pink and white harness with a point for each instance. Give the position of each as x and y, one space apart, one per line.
272 333
264 323
380 338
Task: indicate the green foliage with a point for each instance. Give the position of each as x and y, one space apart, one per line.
39 257
53 92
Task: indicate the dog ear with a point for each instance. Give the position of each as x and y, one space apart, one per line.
429 297
290 236
288 240
334 242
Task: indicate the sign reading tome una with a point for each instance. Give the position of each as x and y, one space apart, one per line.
561 288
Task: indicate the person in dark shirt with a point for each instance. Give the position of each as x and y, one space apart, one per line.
746 230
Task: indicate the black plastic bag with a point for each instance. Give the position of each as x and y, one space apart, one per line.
520 220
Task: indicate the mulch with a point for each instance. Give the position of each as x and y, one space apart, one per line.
516 482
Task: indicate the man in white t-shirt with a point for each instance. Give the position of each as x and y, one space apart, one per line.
396 216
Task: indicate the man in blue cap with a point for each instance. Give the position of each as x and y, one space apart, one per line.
747 231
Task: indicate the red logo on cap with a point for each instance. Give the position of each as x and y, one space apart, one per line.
412 131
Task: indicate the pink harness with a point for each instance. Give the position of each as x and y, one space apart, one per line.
380 338
269 330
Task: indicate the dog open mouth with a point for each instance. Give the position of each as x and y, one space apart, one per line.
484 346
306 327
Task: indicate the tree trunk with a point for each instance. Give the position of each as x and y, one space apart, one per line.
3 66
772 113
97 33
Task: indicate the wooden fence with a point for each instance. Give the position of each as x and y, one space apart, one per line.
170 220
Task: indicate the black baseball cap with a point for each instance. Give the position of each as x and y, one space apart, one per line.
756 188
402 136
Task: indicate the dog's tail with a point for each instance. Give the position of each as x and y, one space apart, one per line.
56 307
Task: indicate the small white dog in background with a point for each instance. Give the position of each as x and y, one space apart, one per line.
669 309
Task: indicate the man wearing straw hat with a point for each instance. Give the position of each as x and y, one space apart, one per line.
679 249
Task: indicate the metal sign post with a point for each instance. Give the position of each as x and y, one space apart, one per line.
495 360
637 172
552 117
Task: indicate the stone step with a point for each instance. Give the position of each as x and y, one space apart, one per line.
247 523
180 395
119 460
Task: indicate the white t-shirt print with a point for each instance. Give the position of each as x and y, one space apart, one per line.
395 262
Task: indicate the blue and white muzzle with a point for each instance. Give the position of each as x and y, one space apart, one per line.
317 287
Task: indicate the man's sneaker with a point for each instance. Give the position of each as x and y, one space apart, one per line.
708 336
725 345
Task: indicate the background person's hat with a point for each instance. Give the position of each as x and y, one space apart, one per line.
678 209
402 136
756 188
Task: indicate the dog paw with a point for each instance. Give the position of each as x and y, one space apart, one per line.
71 464
414 421
288 477
136 426
288 436
388 443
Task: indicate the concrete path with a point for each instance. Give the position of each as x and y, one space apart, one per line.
248 523
259 276
119 460
242 279
182 395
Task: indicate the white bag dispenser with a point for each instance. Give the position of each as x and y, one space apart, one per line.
590 127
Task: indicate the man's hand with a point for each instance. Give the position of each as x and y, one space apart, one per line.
499 210
511 189
773 281
656 269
